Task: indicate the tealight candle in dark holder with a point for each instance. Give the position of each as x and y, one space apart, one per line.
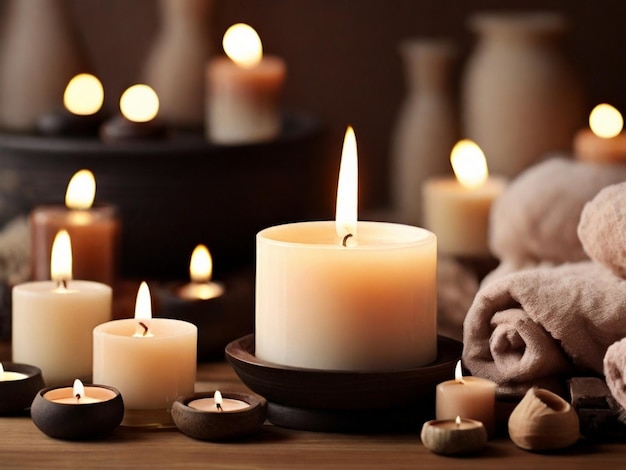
78 412
218 416
454 436
82 114
209 305
19 383
139 106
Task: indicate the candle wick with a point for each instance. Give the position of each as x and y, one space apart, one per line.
77 396
345 239
219 406
145 328
62 283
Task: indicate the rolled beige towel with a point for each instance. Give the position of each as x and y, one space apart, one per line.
544 324
614 370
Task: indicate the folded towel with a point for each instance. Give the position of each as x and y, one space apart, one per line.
536 218
614 370
602 228
544 324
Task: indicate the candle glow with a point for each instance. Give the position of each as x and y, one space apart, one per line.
201 264
243 45
347 189
83 95
143 310
469 164
458 373
139 103
81 190
61 258
605 121
79 389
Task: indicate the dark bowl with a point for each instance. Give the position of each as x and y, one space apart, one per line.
17 395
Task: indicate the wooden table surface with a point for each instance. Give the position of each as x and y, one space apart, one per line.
22 445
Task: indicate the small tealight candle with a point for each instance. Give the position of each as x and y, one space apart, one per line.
457 436
78 412
95 232
243 90
139 107
18 385
214 416
81 116
150 360
200 271
470 397
457 209
604 141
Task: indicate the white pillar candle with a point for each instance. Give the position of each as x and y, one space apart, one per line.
151 361
243 90
53 320
457 209
604 141
370 305
467 397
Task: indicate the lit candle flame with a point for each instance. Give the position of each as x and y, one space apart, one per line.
139 103
78 389
81 190
143 310
83 95
469 164
458 421
458 373
201 264
606 121
347 189
217 396
243 45
61 258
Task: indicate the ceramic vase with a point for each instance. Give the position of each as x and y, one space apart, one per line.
521 98
39 54
427 124
176 63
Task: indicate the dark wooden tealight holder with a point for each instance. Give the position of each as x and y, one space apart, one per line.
345 401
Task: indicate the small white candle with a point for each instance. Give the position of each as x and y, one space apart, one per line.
53 320
200 270
218 404
604 141
243 90
346 295
79 394
151 361
457 209
7 376
470 397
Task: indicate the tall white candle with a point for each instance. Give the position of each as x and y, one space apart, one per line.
151 361
53 320
346 295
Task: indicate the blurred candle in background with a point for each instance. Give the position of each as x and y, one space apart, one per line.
95 232
243 90
604 141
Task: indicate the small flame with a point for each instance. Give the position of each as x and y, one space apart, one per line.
83 95
243 45
201 264
78 389
458 421
143 310
61 257
139 103
81 190
469 164
347 188
458 373
217 396
606 121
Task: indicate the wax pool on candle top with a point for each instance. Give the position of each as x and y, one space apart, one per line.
6 376
79 394
211 404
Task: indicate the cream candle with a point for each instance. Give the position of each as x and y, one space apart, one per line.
150 360
604 141
200 270
469 397
243 90
457 436
53 320
346 295
95 232
217 404
457 209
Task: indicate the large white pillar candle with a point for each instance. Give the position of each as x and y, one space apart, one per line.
53 320
151 361
457 209
243 90
604 141
345 295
